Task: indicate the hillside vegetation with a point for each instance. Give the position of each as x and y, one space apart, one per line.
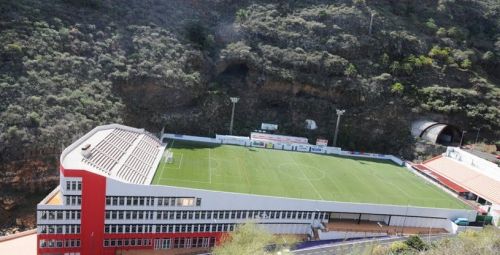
69 65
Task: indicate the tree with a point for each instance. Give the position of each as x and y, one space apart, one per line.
250 239
351 71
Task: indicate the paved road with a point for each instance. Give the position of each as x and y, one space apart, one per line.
356 247
484 155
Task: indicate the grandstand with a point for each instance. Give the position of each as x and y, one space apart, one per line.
120 153
475 180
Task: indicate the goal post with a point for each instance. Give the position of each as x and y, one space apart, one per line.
169 157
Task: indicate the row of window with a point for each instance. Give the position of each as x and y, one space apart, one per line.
168 228
129 215
59 243
150 201
127 242
194 242
59 229
73 200
74 185
207 215
59 215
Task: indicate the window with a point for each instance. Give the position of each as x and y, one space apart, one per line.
79 187
185 201
68 185
122 201
198 202
108 201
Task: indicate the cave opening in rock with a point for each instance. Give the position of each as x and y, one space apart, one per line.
234 76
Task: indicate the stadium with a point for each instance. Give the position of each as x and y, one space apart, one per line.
122 188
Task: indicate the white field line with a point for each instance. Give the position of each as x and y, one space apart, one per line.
180 162
162 170
183 180
305 176
164 164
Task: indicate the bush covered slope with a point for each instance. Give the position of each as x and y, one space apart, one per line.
69 65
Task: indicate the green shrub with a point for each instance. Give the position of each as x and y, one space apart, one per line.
351 71
440 53
242 15
466 64
322 14
416 243
395 67
397 88
441 32
359 2
398 247
13 48
431 24
385 59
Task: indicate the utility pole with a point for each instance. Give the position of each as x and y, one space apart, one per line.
339 113
477 136
462 138
371 23
234 100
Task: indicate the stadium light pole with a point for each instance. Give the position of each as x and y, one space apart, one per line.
339 113
477 136
234 100
462 138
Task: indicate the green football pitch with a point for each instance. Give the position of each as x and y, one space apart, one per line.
297 175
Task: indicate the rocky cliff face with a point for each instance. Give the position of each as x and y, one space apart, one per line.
69 65
22 185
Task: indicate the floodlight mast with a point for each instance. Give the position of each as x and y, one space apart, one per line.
339 113
234 100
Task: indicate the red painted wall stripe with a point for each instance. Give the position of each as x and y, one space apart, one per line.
92 213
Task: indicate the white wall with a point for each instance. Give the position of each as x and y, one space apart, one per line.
421 222
191 138
216 200
344 235
287 228
244 141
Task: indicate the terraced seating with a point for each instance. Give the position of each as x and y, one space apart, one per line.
140 162
106 154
